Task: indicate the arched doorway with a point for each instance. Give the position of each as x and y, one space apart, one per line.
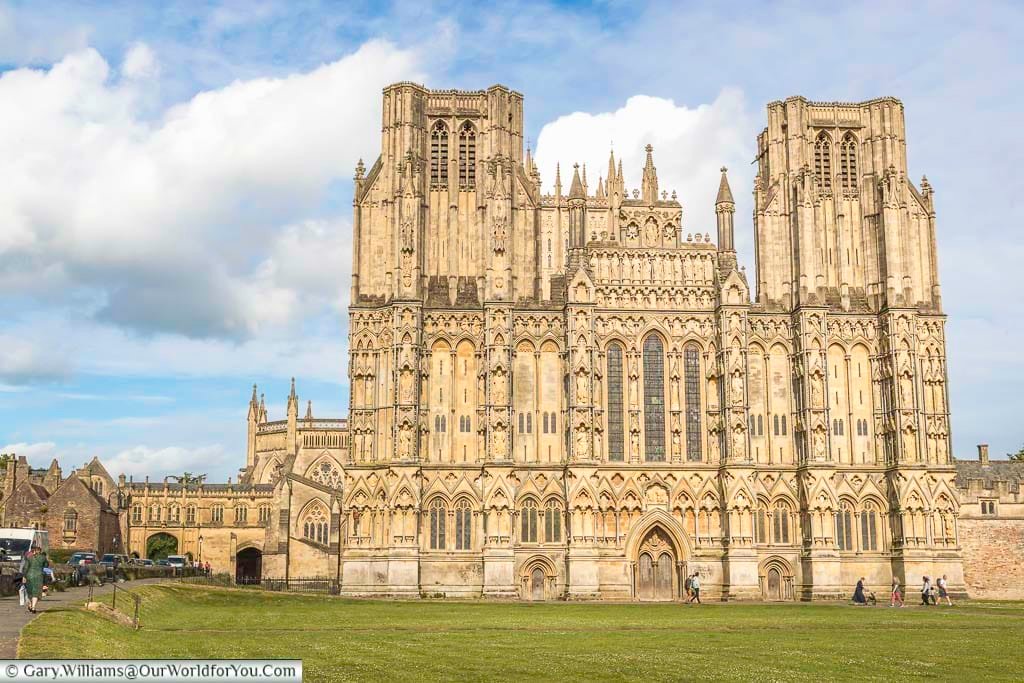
159 546
249 566
537 584
656 567
776 580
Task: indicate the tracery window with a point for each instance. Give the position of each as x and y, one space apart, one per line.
528 522
823 161
552 522
463 525
691 380
654 401
439 154
780 523
761 530
616 435
154 513
71 521
467 156
315 525
327 474
844 527
438 520
869 528
848 163
173 514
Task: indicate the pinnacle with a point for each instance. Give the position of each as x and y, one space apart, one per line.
724 193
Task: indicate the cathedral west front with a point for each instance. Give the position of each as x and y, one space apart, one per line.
578 395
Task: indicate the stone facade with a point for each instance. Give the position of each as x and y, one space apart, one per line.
574 395
992 527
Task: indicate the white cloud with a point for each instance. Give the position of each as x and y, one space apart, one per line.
690 145
38 454
156 463
171 225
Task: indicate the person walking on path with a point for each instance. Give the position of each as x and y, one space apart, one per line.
688 586
941 583
695 588
894 596
926 592
858 593
34 576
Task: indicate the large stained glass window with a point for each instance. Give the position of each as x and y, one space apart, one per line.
616 435
691 383
654 400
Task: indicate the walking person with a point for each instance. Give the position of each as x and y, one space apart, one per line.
926 591
858 593
688 586
895 596
34 576
941 583
695 588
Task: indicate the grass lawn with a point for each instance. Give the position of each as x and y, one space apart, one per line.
342 640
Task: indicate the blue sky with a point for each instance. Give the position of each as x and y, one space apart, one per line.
175 182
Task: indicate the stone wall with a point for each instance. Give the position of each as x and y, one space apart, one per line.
993 552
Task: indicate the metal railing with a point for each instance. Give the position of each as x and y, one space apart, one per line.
303 584
126 595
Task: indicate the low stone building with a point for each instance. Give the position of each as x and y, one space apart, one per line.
80 512
992 526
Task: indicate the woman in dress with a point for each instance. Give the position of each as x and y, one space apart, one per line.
34 576
858 593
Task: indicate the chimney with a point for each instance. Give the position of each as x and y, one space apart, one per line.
983 453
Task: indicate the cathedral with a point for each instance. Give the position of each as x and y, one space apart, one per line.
578 396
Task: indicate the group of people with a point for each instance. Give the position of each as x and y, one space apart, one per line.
692 587
33 576
930 595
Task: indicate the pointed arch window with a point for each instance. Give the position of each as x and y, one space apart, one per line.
528 522
314 525
844 527
869 528
467 156
552 522
463 525
438 518
654 400
616 434
439 155
823 161
848 163
780 523
691 383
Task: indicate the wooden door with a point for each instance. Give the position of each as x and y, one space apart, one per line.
774 584
537 584
645 577
663 589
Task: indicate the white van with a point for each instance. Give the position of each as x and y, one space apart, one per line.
177 561
14 543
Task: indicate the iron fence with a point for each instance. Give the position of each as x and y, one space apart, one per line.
296 584
128 598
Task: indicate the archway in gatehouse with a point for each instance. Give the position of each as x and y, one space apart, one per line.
248 566
657 566
159 546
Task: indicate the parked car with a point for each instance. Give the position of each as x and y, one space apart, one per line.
177 561
79 559
113 560
163 563
146 563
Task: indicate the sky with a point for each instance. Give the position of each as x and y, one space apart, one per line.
176 182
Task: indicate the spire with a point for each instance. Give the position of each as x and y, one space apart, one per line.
725 207
621 177
586 186
254 408
649 185
293 400
600 188
263 410
558 179
576 189
309 410
724 193
611 166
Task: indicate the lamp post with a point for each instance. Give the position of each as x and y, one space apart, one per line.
200 548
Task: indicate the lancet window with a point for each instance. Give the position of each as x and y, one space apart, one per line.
848 163
823 161
467 156
654 400
463 525
616 435
438 519
844 527
439 155
528 522
691 383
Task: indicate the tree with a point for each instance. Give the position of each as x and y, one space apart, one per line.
159 546
1016 457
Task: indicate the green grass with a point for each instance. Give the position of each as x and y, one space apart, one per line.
342 640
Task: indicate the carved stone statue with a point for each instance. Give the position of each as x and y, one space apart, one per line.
582 442
405 441
819 445
582 391
499 388
499 445
737 388
405 386
817 394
